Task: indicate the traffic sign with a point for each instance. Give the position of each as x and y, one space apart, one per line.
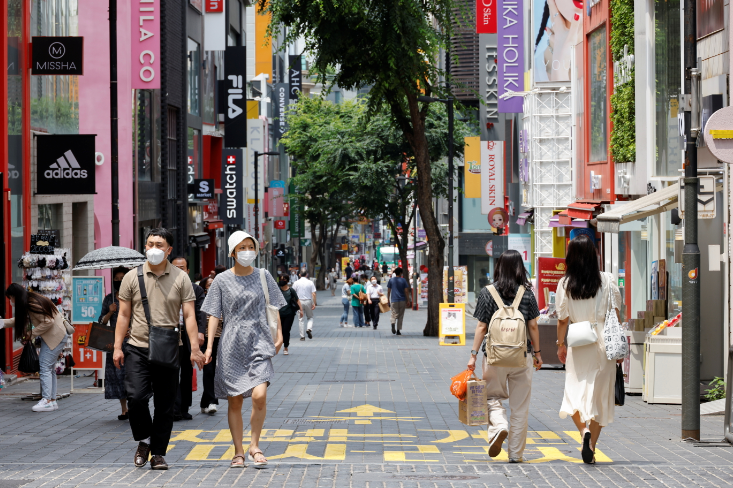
705 197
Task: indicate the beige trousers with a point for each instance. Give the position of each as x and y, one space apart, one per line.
398 312
514 384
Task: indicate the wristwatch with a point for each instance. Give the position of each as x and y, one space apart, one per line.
474 353
560 343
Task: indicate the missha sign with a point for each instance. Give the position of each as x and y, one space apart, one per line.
145 40
57 56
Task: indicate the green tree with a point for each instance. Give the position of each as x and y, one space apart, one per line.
391 46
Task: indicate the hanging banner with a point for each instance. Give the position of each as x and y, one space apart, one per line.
215 32
235 113
556 28
281 104
145 39
66 164
232 182
255 142
486 16
492 176
472 167
295 76
511 55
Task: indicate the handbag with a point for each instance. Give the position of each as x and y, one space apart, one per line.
162 342
613 335
583 333
101 337
29 362
69 328
271 311
620 391
383 304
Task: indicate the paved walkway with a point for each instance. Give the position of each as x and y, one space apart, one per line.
360 408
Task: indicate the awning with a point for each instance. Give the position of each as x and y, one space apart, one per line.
522 217
199 240
584 211
420 245
564 220
214 224
652 204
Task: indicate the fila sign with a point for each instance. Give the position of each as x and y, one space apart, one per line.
145 39
235 116
231 207
65 165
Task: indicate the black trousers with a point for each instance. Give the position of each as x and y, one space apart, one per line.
286 322
209 373
184 396
374 311
367 313
142 381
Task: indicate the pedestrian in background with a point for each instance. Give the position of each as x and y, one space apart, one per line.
366 308
346 301
584 294
247 346
505 383
293 276
37 316
287 313
374 292
348 270
209 403
114 379
306 291
168 289
356 305
332 281
398 294
184 397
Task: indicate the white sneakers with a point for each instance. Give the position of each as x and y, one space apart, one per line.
211 409
45 406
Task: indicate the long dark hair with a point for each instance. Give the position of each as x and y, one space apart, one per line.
510 273
203 283
28 301
543 24
582 273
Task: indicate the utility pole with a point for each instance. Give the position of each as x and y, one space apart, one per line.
691 252
451 285
113 121
257 194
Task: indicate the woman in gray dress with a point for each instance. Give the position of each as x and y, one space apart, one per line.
243 365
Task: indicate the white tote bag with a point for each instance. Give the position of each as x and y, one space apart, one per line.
613 335
584 333
272 312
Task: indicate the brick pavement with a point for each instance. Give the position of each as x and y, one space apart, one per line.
357 408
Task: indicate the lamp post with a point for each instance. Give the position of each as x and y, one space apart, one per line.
257 195
415 276
449 103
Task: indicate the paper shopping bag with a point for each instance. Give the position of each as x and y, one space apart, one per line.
383 304
474 410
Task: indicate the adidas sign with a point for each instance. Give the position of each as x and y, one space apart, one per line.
65 167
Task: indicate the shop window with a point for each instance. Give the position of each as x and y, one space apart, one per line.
147 154
668 70
194 75
209 92
14 177
598 109
172 151
50 219
194 155
55 99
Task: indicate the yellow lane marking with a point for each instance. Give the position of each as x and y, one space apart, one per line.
553 454
398 456
453 435
503 456
362 451
600 457
365 410
334 452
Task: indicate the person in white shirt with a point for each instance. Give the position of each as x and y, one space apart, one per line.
373 292
306 291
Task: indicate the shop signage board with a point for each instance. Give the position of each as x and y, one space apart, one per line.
214 6
492 176
718 134
282 99
280 224
522 243
706 207
86 300
145 40
215 32
232 181
511 54
201 189
472 167
452 325
295 77
85 358
235 113
549 272
486 16
297 223
66 164
57 56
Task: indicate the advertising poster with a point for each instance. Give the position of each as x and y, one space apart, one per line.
710 17
424 286
556 27
460 284
87 296
549 272
472 167
522 243
492 177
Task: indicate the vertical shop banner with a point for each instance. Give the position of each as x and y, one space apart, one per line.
511 54
472 167
488 86
486 16
492 176
215 31
235 113
276 196
549 273
281 105
145 39
232 182
297 224
295 77
522 243
255 142
558 30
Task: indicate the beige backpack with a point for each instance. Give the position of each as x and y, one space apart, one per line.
506 339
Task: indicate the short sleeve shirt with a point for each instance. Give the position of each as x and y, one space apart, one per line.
304 288
487 307
398 285
166 294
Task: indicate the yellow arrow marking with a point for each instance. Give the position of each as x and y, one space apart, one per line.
201 452
503 456
191 436
453 435
553 454
365 410
600 457
397 456
334 452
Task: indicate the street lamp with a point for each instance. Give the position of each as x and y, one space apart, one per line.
449 103
415 275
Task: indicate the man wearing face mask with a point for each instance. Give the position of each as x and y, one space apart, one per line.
374 291
306 291
168 290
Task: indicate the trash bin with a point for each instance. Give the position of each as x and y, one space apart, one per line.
634 362
663 367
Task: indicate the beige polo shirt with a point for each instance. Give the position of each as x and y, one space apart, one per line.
166 294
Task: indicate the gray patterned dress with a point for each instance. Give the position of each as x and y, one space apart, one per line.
246 345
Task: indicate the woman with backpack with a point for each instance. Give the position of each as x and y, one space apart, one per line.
583 294
507 313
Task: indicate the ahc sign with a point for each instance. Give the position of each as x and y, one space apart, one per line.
58 56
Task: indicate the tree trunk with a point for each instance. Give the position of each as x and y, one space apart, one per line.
315 251
334 235
321 278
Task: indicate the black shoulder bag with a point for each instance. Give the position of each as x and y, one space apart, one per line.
162 342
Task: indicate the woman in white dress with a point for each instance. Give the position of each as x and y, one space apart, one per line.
583 294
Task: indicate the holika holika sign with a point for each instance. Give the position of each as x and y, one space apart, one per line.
57 56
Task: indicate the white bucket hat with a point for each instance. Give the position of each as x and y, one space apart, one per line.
238 237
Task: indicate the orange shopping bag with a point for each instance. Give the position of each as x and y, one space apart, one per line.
459 383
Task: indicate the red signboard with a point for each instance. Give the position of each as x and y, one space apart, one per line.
486 16
280 224
549 272
85 358
286 209
214 6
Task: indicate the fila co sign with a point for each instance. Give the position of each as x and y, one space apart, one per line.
65 165
145 39
57 56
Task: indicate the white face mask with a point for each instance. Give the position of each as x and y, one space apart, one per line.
155 256
374 282
245 258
